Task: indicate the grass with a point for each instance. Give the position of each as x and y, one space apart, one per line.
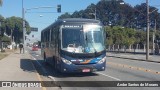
6 53
3 56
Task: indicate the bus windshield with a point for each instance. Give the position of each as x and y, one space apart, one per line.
89 39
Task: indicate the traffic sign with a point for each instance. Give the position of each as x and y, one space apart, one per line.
34 29
59 8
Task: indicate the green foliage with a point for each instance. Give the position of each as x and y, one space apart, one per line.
140 37
2 24
127 22
6 39
128 36
12 26
66 15
120 35
112 12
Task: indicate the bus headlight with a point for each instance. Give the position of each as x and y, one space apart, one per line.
102 60
66 61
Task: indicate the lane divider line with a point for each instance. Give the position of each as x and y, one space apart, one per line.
108 76
51 77
132 67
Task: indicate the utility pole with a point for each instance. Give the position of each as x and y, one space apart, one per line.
1 37
147 33
154 31
95 13
11 38
23 20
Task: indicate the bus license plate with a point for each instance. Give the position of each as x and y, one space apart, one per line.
86 70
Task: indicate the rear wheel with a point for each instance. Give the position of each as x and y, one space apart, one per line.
45 59
54 63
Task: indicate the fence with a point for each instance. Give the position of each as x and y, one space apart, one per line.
136 48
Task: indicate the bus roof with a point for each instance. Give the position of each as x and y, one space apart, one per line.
74 21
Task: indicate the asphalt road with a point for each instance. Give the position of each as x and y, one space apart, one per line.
117 70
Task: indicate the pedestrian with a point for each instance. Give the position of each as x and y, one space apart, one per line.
20 47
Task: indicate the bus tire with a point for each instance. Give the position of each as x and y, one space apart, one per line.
45 59
55 64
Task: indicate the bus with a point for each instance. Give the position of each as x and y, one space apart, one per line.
74 45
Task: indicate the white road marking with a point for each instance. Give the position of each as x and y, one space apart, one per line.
109 76
51 77
34 58
37 55
44 70
38 76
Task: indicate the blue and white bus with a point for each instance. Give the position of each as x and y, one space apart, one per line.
74 45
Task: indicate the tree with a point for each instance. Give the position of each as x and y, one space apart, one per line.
66 15
120 36
2 25
1 2
14 28
112 12
140 16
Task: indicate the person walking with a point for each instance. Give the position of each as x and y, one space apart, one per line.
21 47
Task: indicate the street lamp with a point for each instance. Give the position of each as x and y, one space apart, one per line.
40 15
23 18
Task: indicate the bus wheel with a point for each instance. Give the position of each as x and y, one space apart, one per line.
45 59
54 61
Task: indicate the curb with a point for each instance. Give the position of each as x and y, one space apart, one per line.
134 68
142 53
134 59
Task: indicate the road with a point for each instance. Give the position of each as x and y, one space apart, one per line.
117 69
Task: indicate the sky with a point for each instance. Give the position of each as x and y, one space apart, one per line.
36 18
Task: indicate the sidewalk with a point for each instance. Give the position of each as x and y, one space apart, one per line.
139 57
17 67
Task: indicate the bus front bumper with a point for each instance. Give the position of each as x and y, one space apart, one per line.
73 68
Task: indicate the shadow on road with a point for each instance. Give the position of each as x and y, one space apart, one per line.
26 65
48 70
